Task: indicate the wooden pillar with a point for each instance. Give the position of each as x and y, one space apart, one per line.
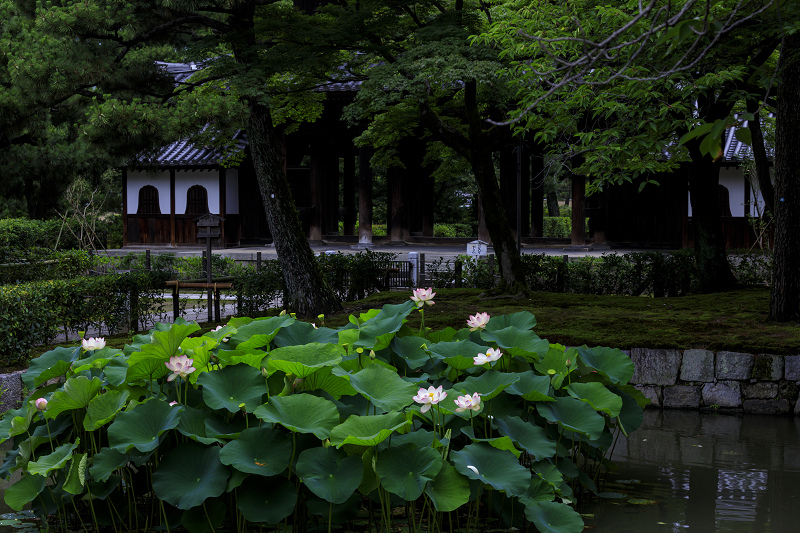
483 231
394 205
124 207
508 185
578 217
349 193
222 207
331 210
537 195
364 196
172 207
525 190
316 190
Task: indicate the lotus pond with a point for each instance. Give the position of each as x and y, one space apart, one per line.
275 424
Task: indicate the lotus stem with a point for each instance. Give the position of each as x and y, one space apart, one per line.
208 518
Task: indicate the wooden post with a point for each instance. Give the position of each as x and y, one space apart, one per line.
124 207
258 262
172 207
349 193
537 196
458 273
578 217
147 265
364 197
208 274
176 306
223 199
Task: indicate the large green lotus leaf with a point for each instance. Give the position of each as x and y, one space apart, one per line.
105 462
443 335
458 354
301 412
596 395
631 390
553 517
498 468
103 407
532 387
76 476
206 520
554 359
501 443
261 451
233 386
53 461
420 437
116 371
193 425
385 389
304 360
367 430
324 379
330 473
631 415
200 350
147 366
532 438
573 415
189 474
222 429
259 333
490 383
377 332
18 421
141 427
516 341
299 333
265 500
404 470
97 359
610 362
54 363
449 490
76 394
522 320
410 349
254 358
24 491
165 344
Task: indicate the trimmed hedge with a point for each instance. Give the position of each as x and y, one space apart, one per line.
22 265
37 313
24 233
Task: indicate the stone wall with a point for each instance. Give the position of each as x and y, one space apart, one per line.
726 381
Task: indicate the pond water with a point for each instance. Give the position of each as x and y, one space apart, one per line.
704 472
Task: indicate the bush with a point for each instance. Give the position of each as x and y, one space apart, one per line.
23 233
557 227
35 313
22 265
190 431
752 267
356 276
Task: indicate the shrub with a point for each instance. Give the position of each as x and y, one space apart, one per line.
21 265
195 431
557 227
356 276
35 313
24 233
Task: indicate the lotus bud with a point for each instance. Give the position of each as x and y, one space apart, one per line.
372 354
283 312
41 404
264 372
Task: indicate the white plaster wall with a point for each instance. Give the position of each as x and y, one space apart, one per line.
733 179
138 179
232 191
184 179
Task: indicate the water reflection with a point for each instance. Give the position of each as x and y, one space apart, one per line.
704 472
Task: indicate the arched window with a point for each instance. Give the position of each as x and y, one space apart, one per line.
197 200
148 201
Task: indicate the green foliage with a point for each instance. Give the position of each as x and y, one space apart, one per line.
21 265
272 430
354 276
36 313
24 233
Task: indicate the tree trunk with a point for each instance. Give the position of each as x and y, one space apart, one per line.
308 292
552 205
784 302
709 243
760 159
512 274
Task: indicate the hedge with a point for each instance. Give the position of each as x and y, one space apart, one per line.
18 265
37 313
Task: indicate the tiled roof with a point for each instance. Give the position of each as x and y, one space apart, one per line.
180 71
735 150
184 153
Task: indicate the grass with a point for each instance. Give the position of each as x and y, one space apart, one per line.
733 321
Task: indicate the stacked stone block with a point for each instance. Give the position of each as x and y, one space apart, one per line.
725 381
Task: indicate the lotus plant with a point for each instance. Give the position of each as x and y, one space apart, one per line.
93 343
491 355
429 397
421 297
478 321
181 366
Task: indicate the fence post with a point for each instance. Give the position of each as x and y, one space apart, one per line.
176 303
134 303
91 262
413 260
422 276
258 262
147 260
458 271
216 305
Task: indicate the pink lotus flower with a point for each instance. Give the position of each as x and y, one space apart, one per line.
180 366
429 397
423 296
93 344
478 321
41 404
467 402
490 356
